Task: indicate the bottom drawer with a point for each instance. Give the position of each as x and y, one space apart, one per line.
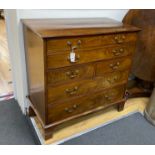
71 108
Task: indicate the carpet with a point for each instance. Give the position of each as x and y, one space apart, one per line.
14 126
132 130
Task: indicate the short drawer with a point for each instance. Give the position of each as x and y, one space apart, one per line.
64 44
98 54
111 79
68 91
63 75
84 105
120 64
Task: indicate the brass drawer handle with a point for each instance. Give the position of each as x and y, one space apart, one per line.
119 39
113 79
109 98
70 110
115 66
118 52
72 74
72 91
69 43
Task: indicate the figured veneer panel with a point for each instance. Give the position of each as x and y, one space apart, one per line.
113 65
82 87
62 75
70 108
92 55
82 43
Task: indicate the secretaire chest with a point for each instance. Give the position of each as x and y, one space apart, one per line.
76 67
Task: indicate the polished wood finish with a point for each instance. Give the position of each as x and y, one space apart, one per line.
63 110
112 79
86 43
144 59
35 66
62 75
82 87
104 53
61 89
6 87
70 90
112 65
47 28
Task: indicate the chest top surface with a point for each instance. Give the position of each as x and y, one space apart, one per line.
48 28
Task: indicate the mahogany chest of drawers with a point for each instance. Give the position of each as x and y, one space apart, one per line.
76 67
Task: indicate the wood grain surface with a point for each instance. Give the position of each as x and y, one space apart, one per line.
47 28
5 68
144 58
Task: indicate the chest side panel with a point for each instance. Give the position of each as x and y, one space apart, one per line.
34 47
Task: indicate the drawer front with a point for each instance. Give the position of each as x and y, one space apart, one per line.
68 91
70 74
65 44
112 65
83 87
111 79
61 60
66 109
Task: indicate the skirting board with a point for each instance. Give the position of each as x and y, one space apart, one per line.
91 122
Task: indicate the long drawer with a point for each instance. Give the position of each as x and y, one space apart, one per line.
66 109
82 87
64 44
105 53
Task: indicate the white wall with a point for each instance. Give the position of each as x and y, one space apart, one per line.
16 45
116 14
16 56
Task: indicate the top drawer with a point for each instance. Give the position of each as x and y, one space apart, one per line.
65 44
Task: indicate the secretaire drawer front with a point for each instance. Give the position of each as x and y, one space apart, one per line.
112 65
61 60
66 109
62 75
65 44
70 90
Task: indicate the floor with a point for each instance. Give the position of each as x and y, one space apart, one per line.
14 126
64 131
5 69
91 122
131 130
